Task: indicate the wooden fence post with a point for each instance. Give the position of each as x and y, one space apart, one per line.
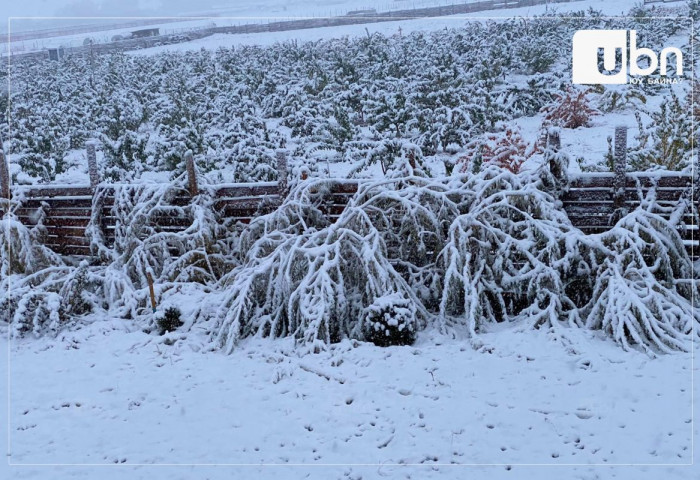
554 139
281 155
620 179
151 291
191 174
553 143
4 174
92 163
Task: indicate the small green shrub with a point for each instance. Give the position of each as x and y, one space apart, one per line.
170 321
391 320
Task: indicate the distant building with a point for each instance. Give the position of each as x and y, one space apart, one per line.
361 13
146 32
56 53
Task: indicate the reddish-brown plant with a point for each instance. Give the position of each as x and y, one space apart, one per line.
506 149
570 110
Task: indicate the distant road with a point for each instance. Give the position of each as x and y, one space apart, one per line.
89 28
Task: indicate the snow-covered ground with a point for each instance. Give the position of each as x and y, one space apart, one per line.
527 405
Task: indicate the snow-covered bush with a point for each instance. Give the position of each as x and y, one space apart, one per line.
21 256
396 157
76 297
571 110
21 249
505 149
36 312
391 320
45 301
667 141
613 100
505 253
43 292
306 278
634 298
169 321
192 254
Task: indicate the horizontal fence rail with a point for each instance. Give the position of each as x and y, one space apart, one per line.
591 203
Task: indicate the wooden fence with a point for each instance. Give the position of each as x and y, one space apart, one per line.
65 211
593 203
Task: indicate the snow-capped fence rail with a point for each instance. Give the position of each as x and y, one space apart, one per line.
65 211
590 201
68 217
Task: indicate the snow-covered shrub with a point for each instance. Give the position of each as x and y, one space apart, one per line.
391 320
45 299
634 298
505 149
309 280
21 251
538 57
170 321
613 100
555 163
187 255
43 302
76 297
667 141
505 253
21 256
124 158
191 253
396 157
570 110
36 311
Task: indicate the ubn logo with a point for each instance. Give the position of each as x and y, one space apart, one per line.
589 45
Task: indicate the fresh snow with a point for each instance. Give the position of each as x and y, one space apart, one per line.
525 406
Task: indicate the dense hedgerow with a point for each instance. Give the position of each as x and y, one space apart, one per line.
462 254
409 252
